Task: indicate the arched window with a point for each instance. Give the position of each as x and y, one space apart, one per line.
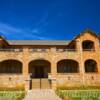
67 66
90 66
11 66
88 45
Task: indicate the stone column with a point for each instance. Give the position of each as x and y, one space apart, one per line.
81 62
97 53
54 74
53 67
78 46
25 67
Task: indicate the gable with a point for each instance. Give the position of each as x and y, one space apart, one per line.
88 34
3 42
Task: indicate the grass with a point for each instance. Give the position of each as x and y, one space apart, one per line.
12 95
79 94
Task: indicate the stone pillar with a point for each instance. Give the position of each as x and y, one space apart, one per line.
25 61
97 51
96 45
53 67
25 67
79 51
53 74
81 62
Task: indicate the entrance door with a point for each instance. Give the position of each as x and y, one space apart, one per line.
39 72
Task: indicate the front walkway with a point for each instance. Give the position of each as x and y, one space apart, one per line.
44 94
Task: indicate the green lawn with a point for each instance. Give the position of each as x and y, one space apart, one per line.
79 94
12 95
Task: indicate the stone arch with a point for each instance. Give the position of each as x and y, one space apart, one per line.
11 58
90 66
39 58
39 68
67 66
59 58
9 66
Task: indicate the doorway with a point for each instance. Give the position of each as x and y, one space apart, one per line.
39 70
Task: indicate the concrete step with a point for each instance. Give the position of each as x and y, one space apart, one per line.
43 94
41 83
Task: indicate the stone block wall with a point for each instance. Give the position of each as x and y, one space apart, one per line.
26 56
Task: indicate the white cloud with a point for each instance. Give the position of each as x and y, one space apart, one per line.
43 20
9 30
35 31
40 24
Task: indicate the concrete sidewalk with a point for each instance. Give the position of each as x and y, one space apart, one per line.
44 94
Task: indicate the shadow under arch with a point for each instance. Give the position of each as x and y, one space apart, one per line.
67 66
39 68
9 66
90 66
88 45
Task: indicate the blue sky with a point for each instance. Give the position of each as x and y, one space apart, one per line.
48 19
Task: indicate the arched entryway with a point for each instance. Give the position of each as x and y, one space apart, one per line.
39 71
11 67
67 66
39 68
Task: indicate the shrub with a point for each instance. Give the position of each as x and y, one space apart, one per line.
12 95
79 94
77 87
12 88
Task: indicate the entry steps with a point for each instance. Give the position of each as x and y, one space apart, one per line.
42 83
41 94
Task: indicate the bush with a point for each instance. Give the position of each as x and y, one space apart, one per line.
12 88
79 94
12 95
78 88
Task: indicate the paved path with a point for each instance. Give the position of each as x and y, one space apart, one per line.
44 94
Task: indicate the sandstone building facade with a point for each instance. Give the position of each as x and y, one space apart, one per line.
50 64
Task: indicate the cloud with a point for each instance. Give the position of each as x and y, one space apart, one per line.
43 20
40 24
35 30
11 31
7 29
